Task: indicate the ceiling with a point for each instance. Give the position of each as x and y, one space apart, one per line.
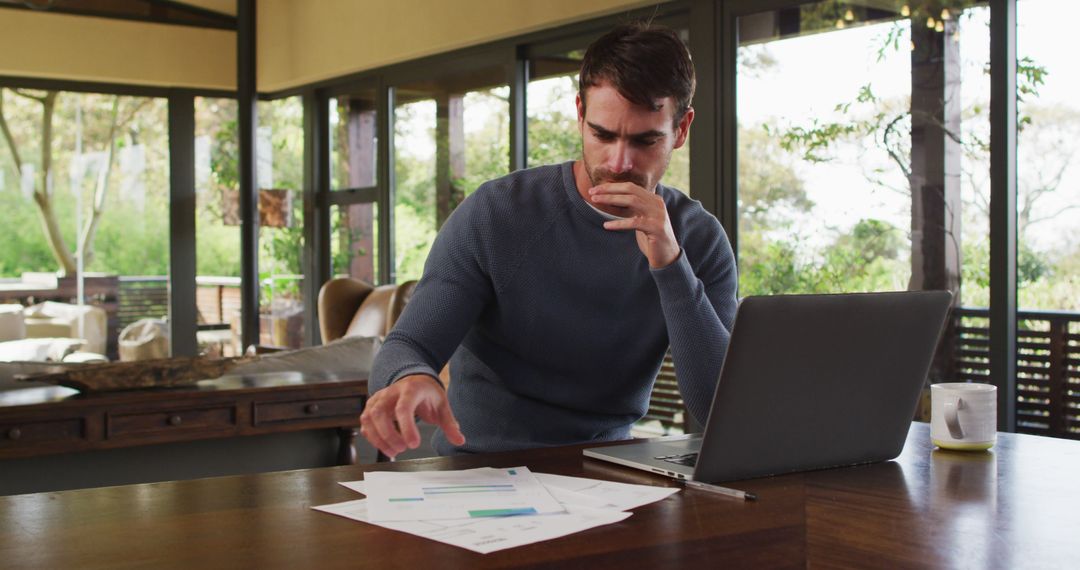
200 13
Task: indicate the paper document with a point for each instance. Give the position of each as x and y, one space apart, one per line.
484 535
586 503
474 493
579 491
602 494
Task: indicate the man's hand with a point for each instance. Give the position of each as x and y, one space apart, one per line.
645 213
389 423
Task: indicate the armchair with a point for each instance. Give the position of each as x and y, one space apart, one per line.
349 307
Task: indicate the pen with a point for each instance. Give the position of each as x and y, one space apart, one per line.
720 490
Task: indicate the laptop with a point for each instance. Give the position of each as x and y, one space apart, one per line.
808 382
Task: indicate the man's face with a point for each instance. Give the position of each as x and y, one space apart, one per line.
625 142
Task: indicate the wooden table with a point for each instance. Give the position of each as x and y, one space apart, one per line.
1015 507
47 431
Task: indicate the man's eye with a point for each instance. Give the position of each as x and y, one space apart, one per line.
604 136
645 142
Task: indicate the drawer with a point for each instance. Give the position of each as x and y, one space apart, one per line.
16 434
165 422
308 409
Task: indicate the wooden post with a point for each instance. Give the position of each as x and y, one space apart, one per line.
449 154
360 218
935 170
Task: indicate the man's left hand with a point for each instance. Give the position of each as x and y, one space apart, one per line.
645 213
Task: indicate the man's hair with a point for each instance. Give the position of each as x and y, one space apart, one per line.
643 63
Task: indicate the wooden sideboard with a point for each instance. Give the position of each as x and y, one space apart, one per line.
45 429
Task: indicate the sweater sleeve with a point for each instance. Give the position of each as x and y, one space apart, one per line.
699 311
453 291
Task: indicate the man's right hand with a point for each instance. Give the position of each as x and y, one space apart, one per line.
389 418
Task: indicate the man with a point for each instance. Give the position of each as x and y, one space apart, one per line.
557 289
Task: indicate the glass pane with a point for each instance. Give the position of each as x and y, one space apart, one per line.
1048 217
104 183
1048 145
217 239
552 117
855 185
354 241
876 176
280 152
450 135
353 140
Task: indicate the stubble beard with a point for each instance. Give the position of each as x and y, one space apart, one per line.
600 175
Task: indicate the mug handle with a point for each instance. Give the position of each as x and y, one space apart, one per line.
952 420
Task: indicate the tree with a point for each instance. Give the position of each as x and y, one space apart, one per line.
1046 141
43 195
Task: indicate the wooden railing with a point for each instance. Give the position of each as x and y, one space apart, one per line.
1047 366
142 297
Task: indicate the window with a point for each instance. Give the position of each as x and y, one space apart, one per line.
94 199
860 182
450 135
280 177
354 172
217 231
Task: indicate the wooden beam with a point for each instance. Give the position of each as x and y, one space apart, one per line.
154 11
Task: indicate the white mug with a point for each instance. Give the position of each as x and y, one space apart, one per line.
963 416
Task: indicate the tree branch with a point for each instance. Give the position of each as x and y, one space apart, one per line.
86 240
27 95
7 135
1054 215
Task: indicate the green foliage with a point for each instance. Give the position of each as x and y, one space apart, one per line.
864 260
553 134
24 247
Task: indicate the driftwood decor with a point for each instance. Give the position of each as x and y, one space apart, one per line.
158 373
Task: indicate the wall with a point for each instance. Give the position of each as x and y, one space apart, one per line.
301 42
80 48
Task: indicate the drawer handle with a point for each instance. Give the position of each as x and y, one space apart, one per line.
175 420
14 433
312 408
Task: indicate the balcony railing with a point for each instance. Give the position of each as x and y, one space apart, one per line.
1047 366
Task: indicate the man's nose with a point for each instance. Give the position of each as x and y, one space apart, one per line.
621 159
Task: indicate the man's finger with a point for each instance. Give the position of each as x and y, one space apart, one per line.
449 424
405 414
618 188
621 200
373 438
634 223
382 422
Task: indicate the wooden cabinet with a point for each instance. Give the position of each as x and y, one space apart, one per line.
38 420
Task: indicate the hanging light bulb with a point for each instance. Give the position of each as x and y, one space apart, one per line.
840 24
930 22
945 14
905 10
912 45
956 37
849 15
940 27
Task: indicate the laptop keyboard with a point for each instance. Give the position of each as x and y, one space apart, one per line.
688 459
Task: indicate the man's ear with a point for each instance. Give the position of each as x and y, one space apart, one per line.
580 109
683 129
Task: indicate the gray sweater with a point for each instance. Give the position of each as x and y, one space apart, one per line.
556 326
